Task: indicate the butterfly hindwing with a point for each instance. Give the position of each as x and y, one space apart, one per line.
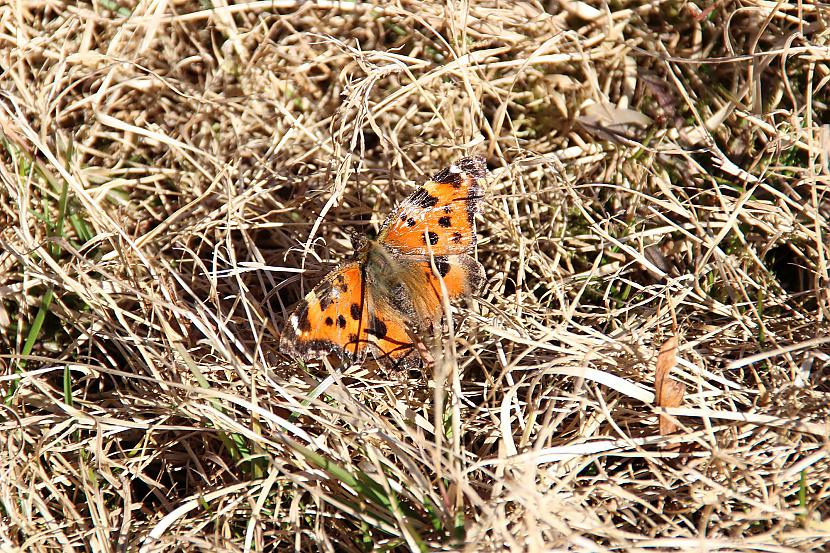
439 217
339 316
422 296
386 332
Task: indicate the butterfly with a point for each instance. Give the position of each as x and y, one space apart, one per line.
395 285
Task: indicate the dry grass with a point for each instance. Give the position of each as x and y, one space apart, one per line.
173 178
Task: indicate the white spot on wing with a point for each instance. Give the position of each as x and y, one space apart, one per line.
295 324
455 169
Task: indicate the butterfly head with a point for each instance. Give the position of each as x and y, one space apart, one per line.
359 241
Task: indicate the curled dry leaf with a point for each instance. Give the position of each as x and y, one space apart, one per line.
668 393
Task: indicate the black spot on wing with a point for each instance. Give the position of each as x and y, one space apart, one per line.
329 321
432 237
341 321
442 265
456 237
410 222
325 288
445 221
377 327
423 199
354 311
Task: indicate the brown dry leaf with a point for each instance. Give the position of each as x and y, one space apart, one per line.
672 397
668 393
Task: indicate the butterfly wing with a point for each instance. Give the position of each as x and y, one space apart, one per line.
340 316
387 332
441 213
420 298
461 276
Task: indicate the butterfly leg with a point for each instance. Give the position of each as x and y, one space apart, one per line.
422 351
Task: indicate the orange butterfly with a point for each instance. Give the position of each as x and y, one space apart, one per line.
392 285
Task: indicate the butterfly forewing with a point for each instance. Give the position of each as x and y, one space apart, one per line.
439 217
339 316
327 319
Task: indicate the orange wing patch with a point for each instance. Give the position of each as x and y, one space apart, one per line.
386 333
440 216
338 317
462 276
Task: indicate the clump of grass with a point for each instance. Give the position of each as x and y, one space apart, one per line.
171 183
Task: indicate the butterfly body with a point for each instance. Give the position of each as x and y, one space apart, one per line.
395 285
